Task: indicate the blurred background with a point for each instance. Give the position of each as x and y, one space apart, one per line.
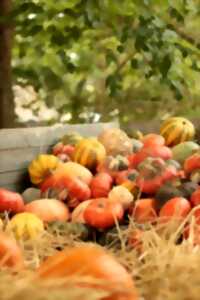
80 61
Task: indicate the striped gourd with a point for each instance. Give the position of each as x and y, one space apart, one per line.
176 130
89 152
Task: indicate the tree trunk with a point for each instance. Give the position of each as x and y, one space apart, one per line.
7 119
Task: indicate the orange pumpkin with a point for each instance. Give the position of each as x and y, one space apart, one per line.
48 210
144 210
102 213
92 261
10 253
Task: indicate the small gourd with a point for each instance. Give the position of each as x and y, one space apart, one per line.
26 226
89 152
41 167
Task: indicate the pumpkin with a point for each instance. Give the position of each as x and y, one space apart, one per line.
176 130
102 213
153 139
48 210
116 142
41 167
183 150
77 215
101 185
93 261
73 169
89 152
64 187
121 195
192 167
144 210
26 226
10 201
153 173
10 253
113 165
177 208
195 197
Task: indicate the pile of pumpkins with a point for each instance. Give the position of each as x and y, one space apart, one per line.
98 182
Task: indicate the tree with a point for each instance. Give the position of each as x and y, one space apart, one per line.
114 59
6 97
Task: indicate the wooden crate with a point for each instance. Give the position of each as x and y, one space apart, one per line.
19 146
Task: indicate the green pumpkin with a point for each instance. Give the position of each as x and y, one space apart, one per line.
183 150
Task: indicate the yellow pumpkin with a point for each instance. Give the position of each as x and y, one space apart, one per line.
116 142
176 130
26 226
89 152
41 167
76 170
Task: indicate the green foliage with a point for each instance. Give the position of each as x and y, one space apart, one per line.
120 59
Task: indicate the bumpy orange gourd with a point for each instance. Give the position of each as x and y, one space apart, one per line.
89 152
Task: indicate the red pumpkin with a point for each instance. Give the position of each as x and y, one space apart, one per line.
144 210
195 198
153 173
154 151
101 185
192 167
153 139
48 210
65 186
102 214
177 207
10 201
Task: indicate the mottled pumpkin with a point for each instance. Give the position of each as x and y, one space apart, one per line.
41 167
116 142
177 130
89 152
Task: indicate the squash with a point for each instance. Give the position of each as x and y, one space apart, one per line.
102 213
25 226
113 165
183 150
48 210
10 253
101 185
94 262
41 167
116 142
73 169
177 130
89 152
121 195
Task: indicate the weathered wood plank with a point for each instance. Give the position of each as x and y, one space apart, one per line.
44 136
18 159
